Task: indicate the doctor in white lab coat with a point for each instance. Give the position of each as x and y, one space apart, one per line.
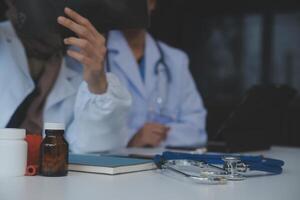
94 120
167 108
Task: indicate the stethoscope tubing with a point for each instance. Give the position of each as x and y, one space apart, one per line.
161 60
255 163
157 71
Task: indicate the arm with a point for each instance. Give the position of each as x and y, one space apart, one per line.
190 128
99 119
101 104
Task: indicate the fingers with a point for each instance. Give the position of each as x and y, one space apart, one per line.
158 128
80 20
81 26
92 49
162 132
83 44
91 42
154 140
161 135
151 141
150 135
80 30
80 57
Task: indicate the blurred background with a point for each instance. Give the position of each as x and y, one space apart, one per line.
233 46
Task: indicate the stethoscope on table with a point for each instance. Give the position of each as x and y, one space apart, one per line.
164 78
218 168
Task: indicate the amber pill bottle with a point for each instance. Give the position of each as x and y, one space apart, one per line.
54 151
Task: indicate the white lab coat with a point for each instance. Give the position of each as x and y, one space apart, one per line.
184 101
93 122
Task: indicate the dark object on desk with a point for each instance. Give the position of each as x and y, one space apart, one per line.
186 148
248 127
54 151
105 15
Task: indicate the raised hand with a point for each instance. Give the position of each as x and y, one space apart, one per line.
92 49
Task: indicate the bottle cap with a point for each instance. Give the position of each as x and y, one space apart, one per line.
54 126
12 134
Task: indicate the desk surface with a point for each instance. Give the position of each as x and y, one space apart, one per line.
153 185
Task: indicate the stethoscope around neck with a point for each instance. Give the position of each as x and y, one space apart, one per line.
157 70
164 79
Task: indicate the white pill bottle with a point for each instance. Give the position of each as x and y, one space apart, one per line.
13 152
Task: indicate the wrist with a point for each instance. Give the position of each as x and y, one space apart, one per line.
99 86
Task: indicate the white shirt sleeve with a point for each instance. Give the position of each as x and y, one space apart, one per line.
99 120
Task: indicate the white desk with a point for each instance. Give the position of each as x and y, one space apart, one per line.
154 186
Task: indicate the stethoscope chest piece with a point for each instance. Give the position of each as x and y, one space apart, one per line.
233 166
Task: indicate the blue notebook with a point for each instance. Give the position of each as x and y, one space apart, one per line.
95 163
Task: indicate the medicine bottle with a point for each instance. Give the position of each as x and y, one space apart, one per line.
13 152
54 151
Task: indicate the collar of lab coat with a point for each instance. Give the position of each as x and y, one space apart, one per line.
124 59
15 80
63 88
